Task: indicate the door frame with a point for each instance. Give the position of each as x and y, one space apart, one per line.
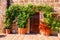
28 24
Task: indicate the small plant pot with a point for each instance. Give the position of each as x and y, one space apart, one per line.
54 33
8 31
22 30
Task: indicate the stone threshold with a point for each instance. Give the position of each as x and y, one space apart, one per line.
27 37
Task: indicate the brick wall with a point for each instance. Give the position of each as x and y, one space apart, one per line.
54 3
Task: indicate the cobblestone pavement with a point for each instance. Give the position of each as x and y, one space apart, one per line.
27 37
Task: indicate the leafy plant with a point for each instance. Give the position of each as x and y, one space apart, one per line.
50 19
14 11
47 8
40 7
8 23
53 22
22 20
44 8
25 13
11 14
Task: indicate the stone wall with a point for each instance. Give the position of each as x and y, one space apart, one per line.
3 3
2 14
54 3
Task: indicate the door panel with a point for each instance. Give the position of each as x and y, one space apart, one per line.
34 24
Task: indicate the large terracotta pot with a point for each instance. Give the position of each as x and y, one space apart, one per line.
44 29
45 32
8 31
42 32
48 32
22 30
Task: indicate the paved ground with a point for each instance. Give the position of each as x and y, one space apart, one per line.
27 37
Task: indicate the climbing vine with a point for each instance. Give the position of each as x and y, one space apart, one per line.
50 18
22 13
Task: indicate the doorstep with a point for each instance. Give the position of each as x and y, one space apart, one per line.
27 37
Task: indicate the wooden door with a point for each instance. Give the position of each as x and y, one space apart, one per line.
34 24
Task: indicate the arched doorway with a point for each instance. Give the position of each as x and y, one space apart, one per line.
34 24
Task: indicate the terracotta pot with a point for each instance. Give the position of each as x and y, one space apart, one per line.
22 30
8 31
44 29
54 33
45 32
42 32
